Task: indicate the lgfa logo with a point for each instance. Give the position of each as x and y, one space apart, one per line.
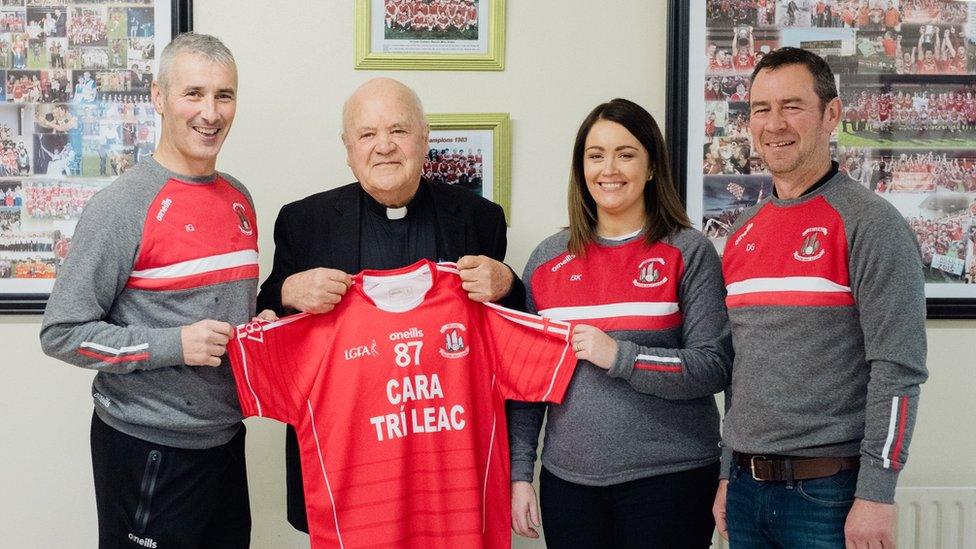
360 351
245 224
454 345
648 274
810 249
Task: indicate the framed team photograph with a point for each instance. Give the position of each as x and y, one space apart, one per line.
430 34
75 112
472 151
906 75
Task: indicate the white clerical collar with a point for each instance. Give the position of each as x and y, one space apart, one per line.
396 213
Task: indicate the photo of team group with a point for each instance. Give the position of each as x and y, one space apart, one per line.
908 129
75 111
431 19
462 158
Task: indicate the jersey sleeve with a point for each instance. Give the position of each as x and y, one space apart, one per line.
276 363
533 360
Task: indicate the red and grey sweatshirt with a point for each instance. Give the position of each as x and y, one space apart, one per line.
827 303
654 411
152 252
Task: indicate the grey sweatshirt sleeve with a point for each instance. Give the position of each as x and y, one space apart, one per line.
95 273
525 418
889 289
703 366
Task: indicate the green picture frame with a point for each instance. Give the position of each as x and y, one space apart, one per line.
385 41
463 138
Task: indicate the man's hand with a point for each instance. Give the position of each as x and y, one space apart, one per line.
525 510
590 343
205 342
315 290
484 278
870 525
718 509
266 315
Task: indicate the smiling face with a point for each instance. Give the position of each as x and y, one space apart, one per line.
386 140
197 106
789 127
616 167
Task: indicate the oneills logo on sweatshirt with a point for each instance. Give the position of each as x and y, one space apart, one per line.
454 345
810 249
648 274
244 225
163 208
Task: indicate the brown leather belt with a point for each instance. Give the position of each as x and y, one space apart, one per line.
773 468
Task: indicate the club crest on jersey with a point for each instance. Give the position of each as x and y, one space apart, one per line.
360 351
244 225
810 248
454 344
648 274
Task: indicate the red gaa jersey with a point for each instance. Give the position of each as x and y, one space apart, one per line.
398 398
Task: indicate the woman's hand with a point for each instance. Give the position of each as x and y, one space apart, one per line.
525 510
590 343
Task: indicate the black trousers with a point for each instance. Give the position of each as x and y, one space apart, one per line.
666 511
150 495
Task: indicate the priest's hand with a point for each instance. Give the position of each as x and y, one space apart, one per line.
484 278
316 290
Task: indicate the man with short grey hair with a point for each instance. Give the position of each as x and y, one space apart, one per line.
147 298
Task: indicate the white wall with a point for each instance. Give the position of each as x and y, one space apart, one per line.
295 60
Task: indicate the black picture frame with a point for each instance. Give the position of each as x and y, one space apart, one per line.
181 16
676 132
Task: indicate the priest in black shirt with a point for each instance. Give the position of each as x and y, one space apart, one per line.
389 218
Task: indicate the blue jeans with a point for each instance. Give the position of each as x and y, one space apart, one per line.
805 513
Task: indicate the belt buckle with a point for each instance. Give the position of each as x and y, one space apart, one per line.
752 466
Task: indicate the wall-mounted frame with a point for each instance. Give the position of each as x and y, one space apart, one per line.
430 35
75 112
905 76
473 151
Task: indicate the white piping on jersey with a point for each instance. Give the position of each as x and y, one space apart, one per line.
533 321
633 308
785 284
201 265
622 237
652 358
555 373
448 268
280 322
491 446
328 487
113 350
892 423
247 377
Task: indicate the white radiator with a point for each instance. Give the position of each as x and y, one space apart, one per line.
930 518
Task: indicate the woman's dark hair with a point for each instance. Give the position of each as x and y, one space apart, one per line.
665 215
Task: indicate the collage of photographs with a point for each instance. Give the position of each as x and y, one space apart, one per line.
904 70
75 112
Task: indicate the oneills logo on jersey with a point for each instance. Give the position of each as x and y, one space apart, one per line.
810 249
648 275
454 346
244 225
360 351
254 331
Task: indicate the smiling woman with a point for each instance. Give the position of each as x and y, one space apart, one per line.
645 293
